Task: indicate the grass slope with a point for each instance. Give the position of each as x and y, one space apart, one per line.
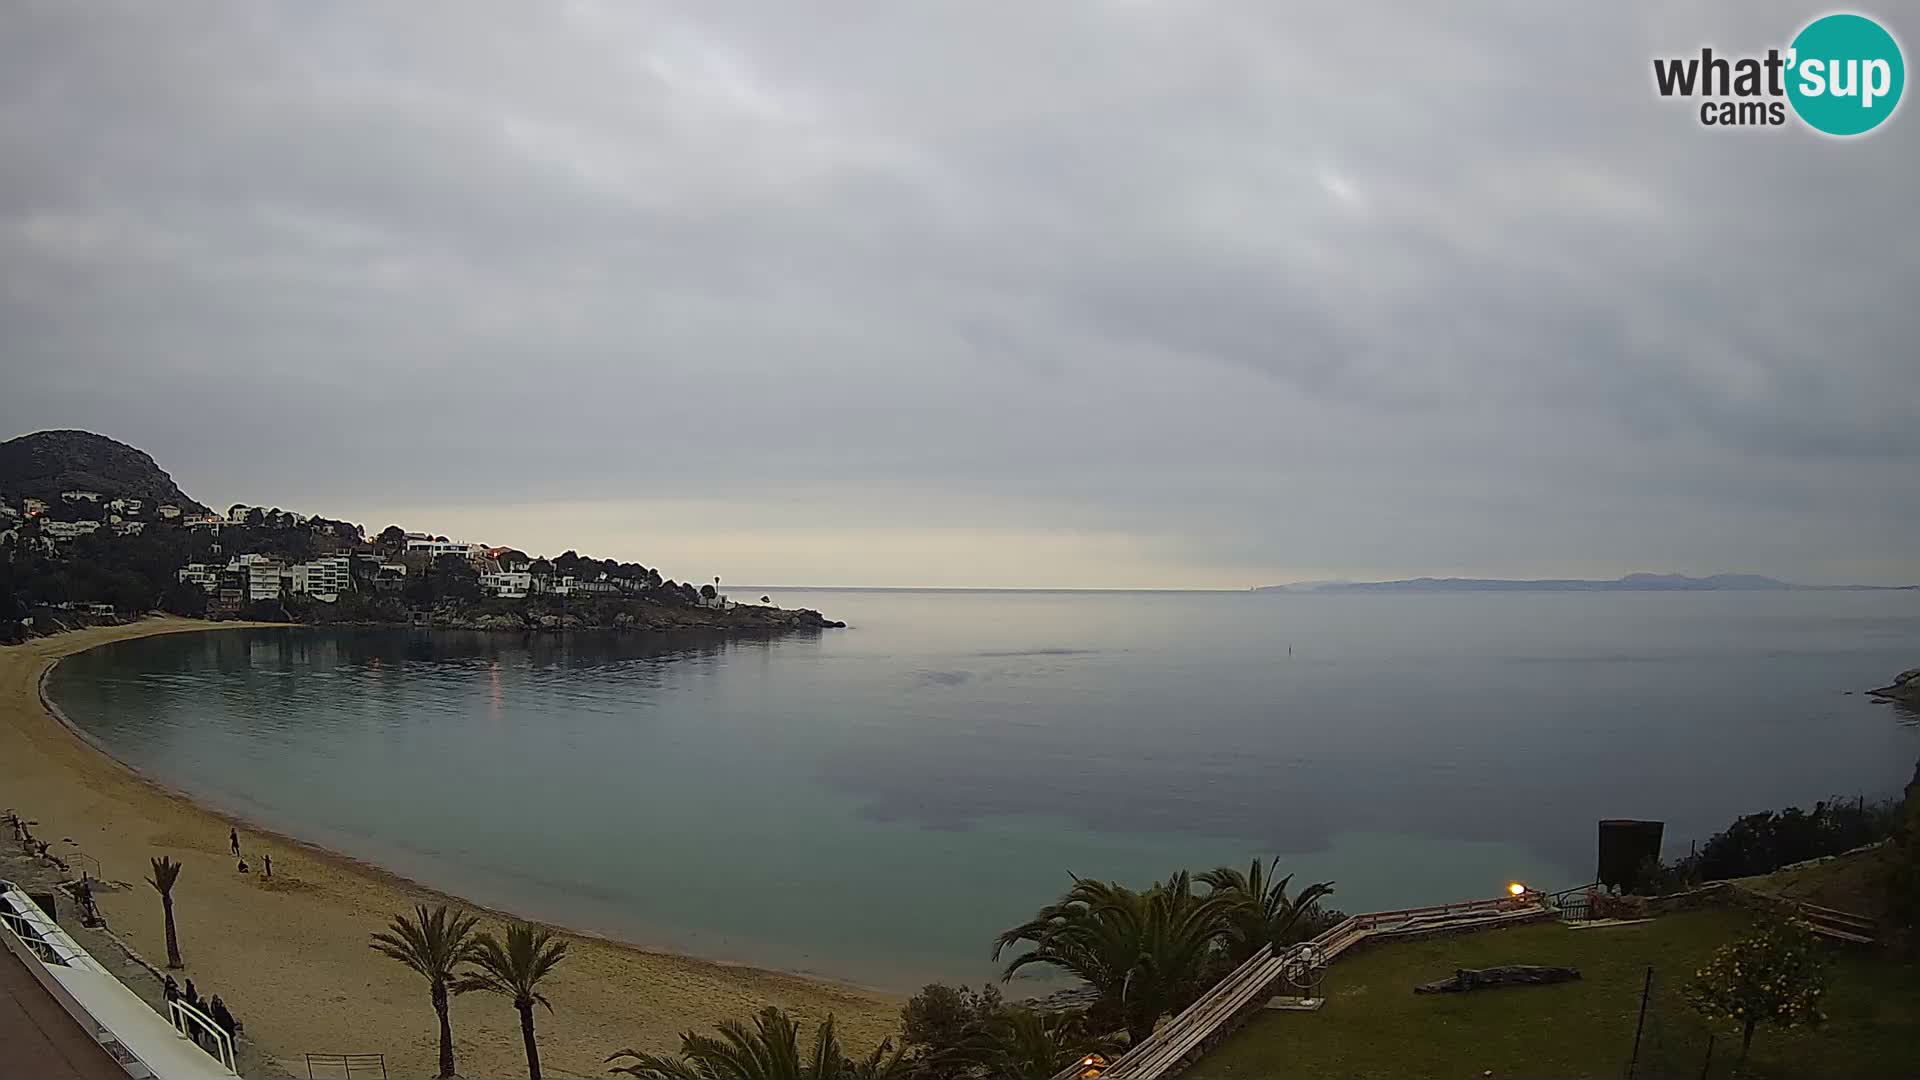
1374 1026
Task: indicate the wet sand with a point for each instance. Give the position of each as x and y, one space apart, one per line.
290 956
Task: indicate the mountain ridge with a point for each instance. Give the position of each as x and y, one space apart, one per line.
42 464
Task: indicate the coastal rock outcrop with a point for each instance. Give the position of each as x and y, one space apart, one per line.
1905 688
641 617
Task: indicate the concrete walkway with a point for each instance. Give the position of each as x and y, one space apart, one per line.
42 1042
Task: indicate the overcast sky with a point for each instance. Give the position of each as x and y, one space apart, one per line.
1124 294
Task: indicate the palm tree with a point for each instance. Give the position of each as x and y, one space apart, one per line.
515 971
1145 954
1023 1044
434 943
165 873
1259 911
770 1051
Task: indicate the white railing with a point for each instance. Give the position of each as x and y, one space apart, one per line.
1162 1051
23 930
41 934
147 1043
198 1026
30 927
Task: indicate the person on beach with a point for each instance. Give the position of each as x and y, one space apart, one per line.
170 990
243 868
233 838
192 997
267 860
222 1017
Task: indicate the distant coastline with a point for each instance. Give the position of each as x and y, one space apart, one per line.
1628 583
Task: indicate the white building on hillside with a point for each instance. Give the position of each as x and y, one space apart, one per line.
67 530
81 496
205 575
264 580
507 584
323 579
168 511
437 548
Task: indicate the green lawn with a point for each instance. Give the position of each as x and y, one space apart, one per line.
1373 1024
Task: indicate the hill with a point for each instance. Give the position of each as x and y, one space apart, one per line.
46 463
1629 583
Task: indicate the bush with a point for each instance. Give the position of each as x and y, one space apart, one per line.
938 1019
1764 842
1775 976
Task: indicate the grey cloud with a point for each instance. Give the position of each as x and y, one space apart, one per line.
1254 278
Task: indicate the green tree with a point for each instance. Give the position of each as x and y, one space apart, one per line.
434 943
1145 954
938 1019
454 578
183 598
1776 976
166 873
1024 1044
768 1051
515 971
1260 913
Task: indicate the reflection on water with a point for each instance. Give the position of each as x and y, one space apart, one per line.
876 803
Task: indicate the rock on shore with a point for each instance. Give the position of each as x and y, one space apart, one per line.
1905 688
638 617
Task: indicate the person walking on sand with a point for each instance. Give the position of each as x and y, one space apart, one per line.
222 1017
192 997
267 861
233 839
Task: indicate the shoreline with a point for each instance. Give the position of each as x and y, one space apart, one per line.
317 912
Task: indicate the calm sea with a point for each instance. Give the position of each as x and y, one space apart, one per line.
876 803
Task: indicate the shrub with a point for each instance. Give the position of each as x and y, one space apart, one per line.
1775 976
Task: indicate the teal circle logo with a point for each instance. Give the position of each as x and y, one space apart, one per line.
1845 74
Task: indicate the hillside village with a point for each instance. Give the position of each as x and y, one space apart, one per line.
347 561
105 550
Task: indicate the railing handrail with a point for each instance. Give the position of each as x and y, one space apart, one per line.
180 1013
32 928
37 945
1553 896
1353 926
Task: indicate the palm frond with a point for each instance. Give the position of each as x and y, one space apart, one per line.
434 943
165 873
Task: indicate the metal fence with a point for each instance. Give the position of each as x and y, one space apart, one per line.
346 1066
201 1028
1672 1042
1575 904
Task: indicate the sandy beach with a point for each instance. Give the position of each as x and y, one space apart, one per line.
290 956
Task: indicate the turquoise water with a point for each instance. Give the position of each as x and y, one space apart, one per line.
876 803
